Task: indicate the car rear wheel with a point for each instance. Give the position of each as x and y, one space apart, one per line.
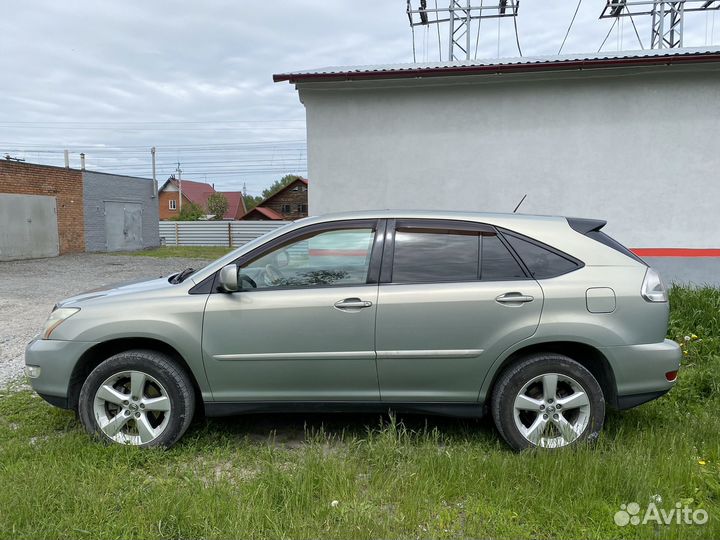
138 397
547 401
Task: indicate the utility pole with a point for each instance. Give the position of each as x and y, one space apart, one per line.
667 17
155 184
463 19
179 179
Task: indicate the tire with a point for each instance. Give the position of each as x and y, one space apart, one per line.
527 412
138 397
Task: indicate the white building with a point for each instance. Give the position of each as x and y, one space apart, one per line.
629 137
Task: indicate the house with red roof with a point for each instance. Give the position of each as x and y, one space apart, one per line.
288 204
198 193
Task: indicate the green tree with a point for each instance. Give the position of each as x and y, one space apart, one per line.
217 205
251 201
279 184
190 212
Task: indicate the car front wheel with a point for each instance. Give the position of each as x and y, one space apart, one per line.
547 401
137 397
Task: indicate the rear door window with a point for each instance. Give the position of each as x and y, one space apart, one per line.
498 264
435 255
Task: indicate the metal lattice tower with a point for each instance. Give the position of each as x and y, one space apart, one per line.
462 17
667 17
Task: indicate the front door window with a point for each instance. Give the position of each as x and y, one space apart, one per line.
330 258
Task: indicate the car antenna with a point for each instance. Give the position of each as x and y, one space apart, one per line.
518 205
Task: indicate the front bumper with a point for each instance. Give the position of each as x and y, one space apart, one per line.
640 370
56 360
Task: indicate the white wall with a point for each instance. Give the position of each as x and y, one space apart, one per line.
636 147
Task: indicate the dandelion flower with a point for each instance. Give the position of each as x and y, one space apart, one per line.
687 338
693 336
702 462
335 504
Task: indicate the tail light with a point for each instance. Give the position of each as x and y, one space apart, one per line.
671 376
653 289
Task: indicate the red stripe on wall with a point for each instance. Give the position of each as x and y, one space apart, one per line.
675 252
338 253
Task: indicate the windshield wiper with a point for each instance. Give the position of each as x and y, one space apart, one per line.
179 278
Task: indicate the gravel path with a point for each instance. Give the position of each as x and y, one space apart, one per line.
29 289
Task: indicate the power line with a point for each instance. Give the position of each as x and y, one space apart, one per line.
437 23
608 34
577 8
477 38
179 146
153 129
637 33
517 37
144 122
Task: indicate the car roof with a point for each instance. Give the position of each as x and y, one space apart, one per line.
489 217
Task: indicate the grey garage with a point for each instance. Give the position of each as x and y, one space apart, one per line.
47 211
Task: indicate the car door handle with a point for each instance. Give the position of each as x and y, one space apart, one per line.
514 298
350 304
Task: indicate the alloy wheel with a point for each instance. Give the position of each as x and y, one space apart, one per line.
551 410
132 407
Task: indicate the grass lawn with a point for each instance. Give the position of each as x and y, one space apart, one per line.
415 477
187 252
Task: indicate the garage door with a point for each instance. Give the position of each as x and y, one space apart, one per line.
123 226
28 227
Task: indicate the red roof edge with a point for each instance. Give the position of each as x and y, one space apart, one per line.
505 68
267 212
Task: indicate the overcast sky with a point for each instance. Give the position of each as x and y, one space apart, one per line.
194 79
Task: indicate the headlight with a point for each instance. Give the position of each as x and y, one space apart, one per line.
55 318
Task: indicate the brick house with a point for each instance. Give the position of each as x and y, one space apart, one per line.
47 211
198 193
288 204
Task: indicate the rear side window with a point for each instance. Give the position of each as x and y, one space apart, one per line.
541 261
603 238
430 255
498 264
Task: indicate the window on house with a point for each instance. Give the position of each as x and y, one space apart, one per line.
286 209
302 208
172 204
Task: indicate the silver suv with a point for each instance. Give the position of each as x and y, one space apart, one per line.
542 321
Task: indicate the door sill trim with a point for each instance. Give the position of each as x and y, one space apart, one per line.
457 409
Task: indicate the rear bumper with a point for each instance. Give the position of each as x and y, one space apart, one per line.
633 400
640 370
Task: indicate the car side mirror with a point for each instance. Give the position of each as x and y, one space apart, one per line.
228 278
